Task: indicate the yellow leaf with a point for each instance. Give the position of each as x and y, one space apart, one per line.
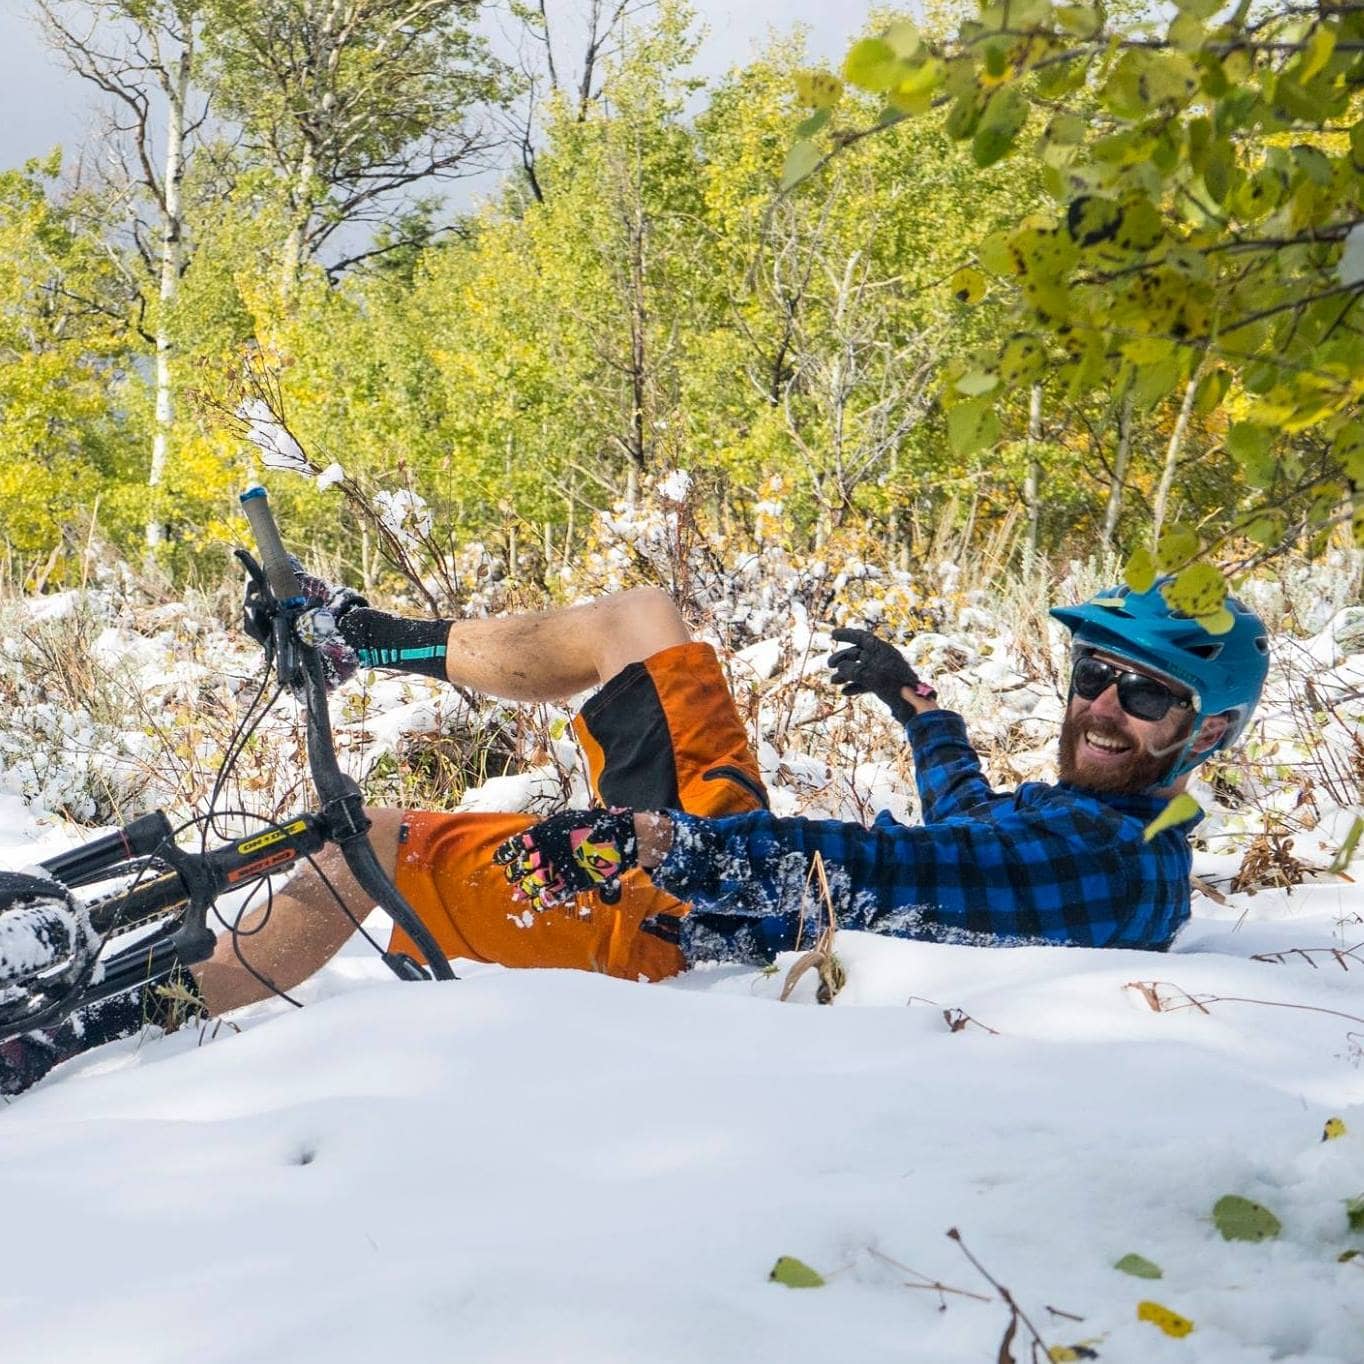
1199 590
902 38
873 65
1335 1127
795 1273
1140 573
1169 1322
1218 622
968 285
1182 808
1316 53
818 89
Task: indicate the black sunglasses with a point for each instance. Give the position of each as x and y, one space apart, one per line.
1142 697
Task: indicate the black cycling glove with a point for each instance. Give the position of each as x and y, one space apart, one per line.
872 665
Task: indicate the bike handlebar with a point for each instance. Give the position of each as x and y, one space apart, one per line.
342 805
274 558
53 948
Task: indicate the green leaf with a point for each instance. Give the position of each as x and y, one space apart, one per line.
818 89
1354 1212
1212 388
1348 447
1346 851
1155 381
1220 622
914 93
1004 115
1081 20
1238 1219
1176 547
964 115
1139 1266
1250 445
1140 572
1266 528
972 426
902 38
1021 359
1198 590
1181 809
807 128
1066 130
968 285
997 256
1316 53
795 1273
977 381
801 160
872 64
1186 33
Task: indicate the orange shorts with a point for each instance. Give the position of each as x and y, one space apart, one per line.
662 734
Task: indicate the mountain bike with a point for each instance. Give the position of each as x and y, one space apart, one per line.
130 908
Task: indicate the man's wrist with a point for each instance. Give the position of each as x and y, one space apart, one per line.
653 837
921 698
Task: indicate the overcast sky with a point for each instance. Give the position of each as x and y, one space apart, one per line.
42 105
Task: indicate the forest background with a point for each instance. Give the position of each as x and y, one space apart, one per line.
1047 279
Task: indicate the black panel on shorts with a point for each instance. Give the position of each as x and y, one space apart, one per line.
627 719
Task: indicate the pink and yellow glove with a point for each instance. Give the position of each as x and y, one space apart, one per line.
569 853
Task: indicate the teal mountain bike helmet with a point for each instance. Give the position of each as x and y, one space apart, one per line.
1224 672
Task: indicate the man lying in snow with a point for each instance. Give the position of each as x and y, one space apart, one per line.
1151 696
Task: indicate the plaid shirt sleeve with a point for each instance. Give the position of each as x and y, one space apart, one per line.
946 768
1059 875
1043 864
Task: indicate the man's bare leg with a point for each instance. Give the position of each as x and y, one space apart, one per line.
537 657
304 929
549 655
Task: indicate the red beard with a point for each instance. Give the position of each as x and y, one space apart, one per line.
1128 774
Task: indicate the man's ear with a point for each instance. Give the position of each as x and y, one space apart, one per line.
1213 728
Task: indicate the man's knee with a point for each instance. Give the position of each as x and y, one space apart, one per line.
640 622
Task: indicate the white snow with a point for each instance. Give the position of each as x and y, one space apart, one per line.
274 443
560 1166
553 1165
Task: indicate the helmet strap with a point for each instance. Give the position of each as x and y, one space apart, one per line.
1186 760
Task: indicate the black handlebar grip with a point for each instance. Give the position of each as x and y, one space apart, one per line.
273 556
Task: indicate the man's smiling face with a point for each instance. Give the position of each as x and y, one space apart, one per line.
1103 748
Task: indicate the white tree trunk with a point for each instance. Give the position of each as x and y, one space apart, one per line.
301 191
1121 460
172 259
1167 474
1032 481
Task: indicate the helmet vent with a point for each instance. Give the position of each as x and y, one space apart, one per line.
1208 651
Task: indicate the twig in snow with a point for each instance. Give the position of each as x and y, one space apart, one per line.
957 1019
1150 992
1038 1348
1340 955
832 977
933 1284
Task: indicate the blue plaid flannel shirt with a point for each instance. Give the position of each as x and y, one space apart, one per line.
1043 864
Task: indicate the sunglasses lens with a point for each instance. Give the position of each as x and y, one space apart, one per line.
1144 697
1141 697
1091 679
